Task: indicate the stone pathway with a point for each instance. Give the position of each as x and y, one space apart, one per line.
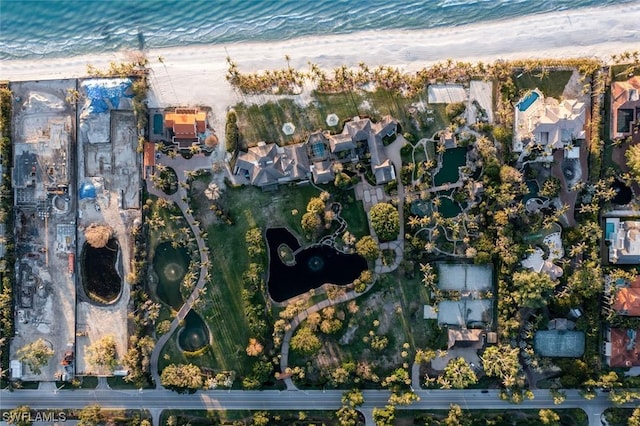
102 383
415 376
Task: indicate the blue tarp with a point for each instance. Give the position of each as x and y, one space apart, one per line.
106 94
87 190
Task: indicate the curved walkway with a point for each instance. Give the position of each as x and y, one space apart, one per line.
181 166
301 316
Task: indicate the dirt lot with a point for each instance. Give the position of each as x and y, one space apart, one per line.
113 169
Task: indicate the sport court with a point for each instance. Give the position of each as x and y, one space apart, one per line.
559 343
464 277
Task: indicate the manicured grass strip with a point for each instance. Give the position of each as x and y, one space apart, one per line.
551 83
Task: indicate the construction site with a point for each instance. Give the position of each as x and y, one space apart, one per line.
75 165
109 194
45 222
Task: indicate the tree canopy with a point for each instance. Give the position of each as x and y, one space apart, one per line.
501 361
103 353
183 376
633 160
368 248
91 415
385 220
532 288
458 374
305 341
36 355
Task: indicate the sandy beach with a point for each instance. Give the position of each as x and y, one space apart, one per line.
196 74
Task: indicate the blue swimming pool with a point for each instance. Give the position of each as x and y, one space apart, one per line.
610 228
524 104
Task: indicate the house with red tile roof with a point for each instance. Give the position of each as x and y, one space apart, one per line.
622 348
185 125
625 109
627 301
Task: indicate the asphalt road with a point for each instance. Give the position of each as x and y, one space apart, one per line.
289 400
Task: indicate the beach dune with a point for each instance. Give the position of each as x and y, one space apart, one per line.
196 74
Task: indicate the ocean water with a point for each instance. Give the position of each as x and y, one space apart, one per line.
53 28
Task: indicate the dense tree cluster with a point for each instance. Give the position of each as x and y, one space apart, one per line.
7 275
36 354
633 160
305 341
138 357
385 221
458 374
182 377
315 215
368 248
255 244
231 132
102 353
501 361
533 288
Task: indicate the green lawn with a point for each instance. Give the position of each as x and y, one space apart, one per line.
89 382
264 122
224 313
440 119
621 72
356 218
550 84
117 382
413 295
419 154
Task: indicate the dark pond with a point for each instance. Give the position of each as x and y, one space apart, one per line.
623 193
449 208
452 160
100 277
533 187
194 335
171 265
314 266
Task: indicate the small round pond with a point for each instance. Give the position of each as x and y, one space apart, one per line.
623 193
194 335
449 208
100 278
171 265
313 266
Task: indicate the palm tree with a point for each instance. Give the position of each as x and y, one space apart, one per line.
213 191
414 221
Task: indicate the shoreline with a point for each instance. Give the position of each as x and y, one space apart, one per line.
195 75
